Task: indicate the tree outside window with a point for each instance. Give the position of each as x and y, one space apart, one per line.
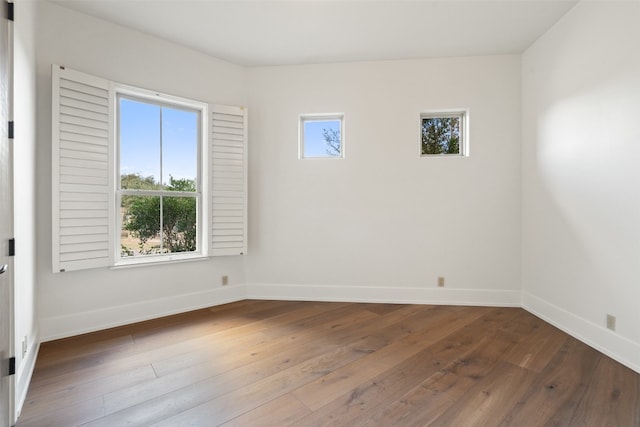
442 134
158 190
321 136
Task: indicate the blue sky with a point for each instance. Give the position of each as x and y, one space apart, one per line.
314 144
140 140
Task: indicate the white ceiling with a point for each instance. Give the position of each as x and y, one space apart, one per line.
258 33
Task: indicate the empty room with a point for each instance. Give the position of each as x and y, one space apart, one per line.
304 213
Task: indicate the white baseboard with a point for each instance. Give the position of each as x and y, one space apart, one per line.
403 295
24 375
608 342
619 348
89 321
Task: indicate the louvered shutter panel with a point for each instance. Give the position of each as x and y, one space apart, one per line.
228 175
80 171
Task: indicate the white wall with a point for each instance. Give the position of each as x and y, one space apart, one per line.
73 302
383 223
24 194
581 180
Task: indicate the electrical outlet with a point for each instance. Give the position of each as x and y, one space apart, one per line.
441 282
611 322
24 346
225 280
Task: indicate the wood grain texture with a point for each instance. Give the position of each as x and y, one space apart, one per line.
277 363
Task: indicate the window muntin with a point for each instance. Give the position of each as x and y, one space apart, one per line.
443 134
85 220
159 196
322 136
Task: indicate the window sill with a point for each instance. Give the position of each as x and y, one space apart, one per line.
173 259
443 155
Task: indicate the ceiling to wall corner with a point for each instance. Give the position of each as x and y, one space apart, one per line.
267 33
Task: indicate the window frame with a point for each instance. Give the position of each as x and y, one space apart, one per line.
162 100
322 117
83 175
463 115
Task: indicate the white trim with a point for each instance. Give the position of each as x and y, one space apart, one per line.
169 258
160 100
621 349
69 325
25 374
114 178
322 117
12 388
202 213
396 295
55 167
607 342
463 113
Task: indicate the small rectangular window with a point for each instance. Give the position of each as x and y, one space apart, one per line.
321 136
443 134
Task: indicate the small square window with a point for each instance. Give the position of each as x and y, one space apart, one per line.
321 136
443 134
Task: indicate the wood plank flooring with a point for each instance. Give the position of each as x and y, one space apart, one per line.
278 363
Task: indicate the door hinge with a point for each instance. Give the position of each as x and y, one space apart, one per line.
12 247
12 366
11 129
10 11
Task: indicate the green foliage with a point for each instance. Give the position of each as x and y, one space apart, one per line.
182 184
441 135
134 181
177 225
332 141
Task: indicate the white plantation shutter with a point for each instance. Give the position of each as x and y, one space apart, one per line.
228 180
81 125
83 166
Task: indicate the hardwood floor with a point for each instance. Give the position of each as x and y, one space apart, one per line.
276 363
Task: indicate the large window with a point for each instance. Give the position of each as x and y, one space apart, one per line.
159 187
141 177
